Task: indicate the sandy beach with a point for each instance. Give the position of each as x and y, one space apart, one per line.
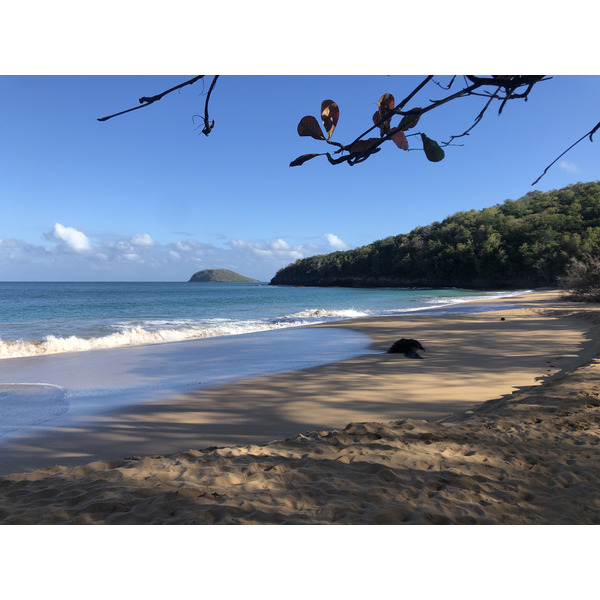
498 424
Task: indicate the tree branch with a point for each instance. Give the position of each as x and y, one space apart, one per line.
588 134
208 127
477 120
505 88
145 101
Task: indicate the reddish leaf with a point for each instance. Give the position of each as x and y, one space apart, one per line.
363 145
384 126
400 140
410 119
309 127
302 159
330 113
386 104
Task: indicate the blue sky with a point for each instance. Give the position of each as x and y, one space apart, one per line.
146 196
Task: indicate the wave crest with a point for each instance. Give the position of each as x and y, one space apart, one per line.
133 337
148 334
323 314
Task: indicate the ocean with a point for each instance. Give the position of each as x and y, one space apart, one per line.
47 318
69 351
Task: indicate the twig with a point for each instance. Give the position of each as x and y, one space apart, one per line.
415 91
208 128
145 101
477 120
509 85
588 134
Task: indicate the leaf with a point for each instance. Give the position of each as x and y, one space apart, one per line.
363 145
410 119
400 140
309 127
433 152
330 113
302 159
384 126
386 104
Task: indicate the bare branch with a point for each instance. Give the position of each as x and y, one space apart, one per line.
476 122
588 134
208 127
446 87
415 92
145 101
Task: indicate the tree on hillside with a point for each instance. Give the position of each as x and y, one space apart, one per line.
493 90
581 281
520 243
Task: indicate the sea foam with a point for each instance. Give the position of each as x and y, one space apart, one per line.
158 331
178 331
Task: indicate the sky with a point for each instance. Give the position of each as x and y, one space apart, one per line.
147 197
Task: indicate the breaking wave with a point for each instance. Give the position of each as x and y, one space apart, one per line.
321 315
159 332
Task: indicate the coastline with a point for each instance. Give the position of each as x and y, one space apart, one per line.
373 439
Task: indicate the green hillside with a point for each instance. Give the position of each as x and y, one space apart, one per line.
519 243
219 275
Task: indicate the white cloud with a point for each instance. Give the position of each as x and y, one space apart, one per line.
280 245
143 239
70 254
568 166
277 249
335 242
74 239
131 257
122 246
182 247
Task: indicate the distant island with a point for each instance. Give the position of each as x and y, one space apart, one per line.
220 275
519 243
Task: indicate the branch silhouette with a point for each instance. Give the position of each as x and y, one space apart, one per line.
147 101
505 88
500 88
588 134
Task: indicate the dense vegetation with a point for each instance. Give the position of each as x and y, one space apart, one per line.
519 243
219 275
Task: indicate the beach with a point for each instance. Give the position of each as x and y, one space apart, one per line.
498 424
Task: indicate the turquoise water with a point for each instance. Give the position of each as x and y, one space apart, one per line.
72 351
49 318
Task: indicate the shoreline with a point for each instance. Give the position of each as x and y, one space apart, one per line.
65 343
381 420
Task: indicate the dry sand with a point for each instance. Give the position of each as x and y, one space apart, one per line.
498 424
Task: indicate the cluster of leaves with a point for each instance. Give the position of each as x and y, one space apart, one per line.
501 88
496 87
519 243
581 281
360 149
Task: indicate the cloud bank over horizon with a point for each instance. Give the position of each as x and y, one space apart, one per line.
67 253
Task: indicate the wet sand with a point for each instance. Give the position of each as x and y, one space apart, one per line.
497 424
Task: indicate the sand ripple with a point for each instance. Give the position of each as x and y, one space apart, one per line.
532 457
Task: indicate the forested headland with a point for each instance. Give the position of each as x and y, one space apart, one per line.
219 275
519 243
